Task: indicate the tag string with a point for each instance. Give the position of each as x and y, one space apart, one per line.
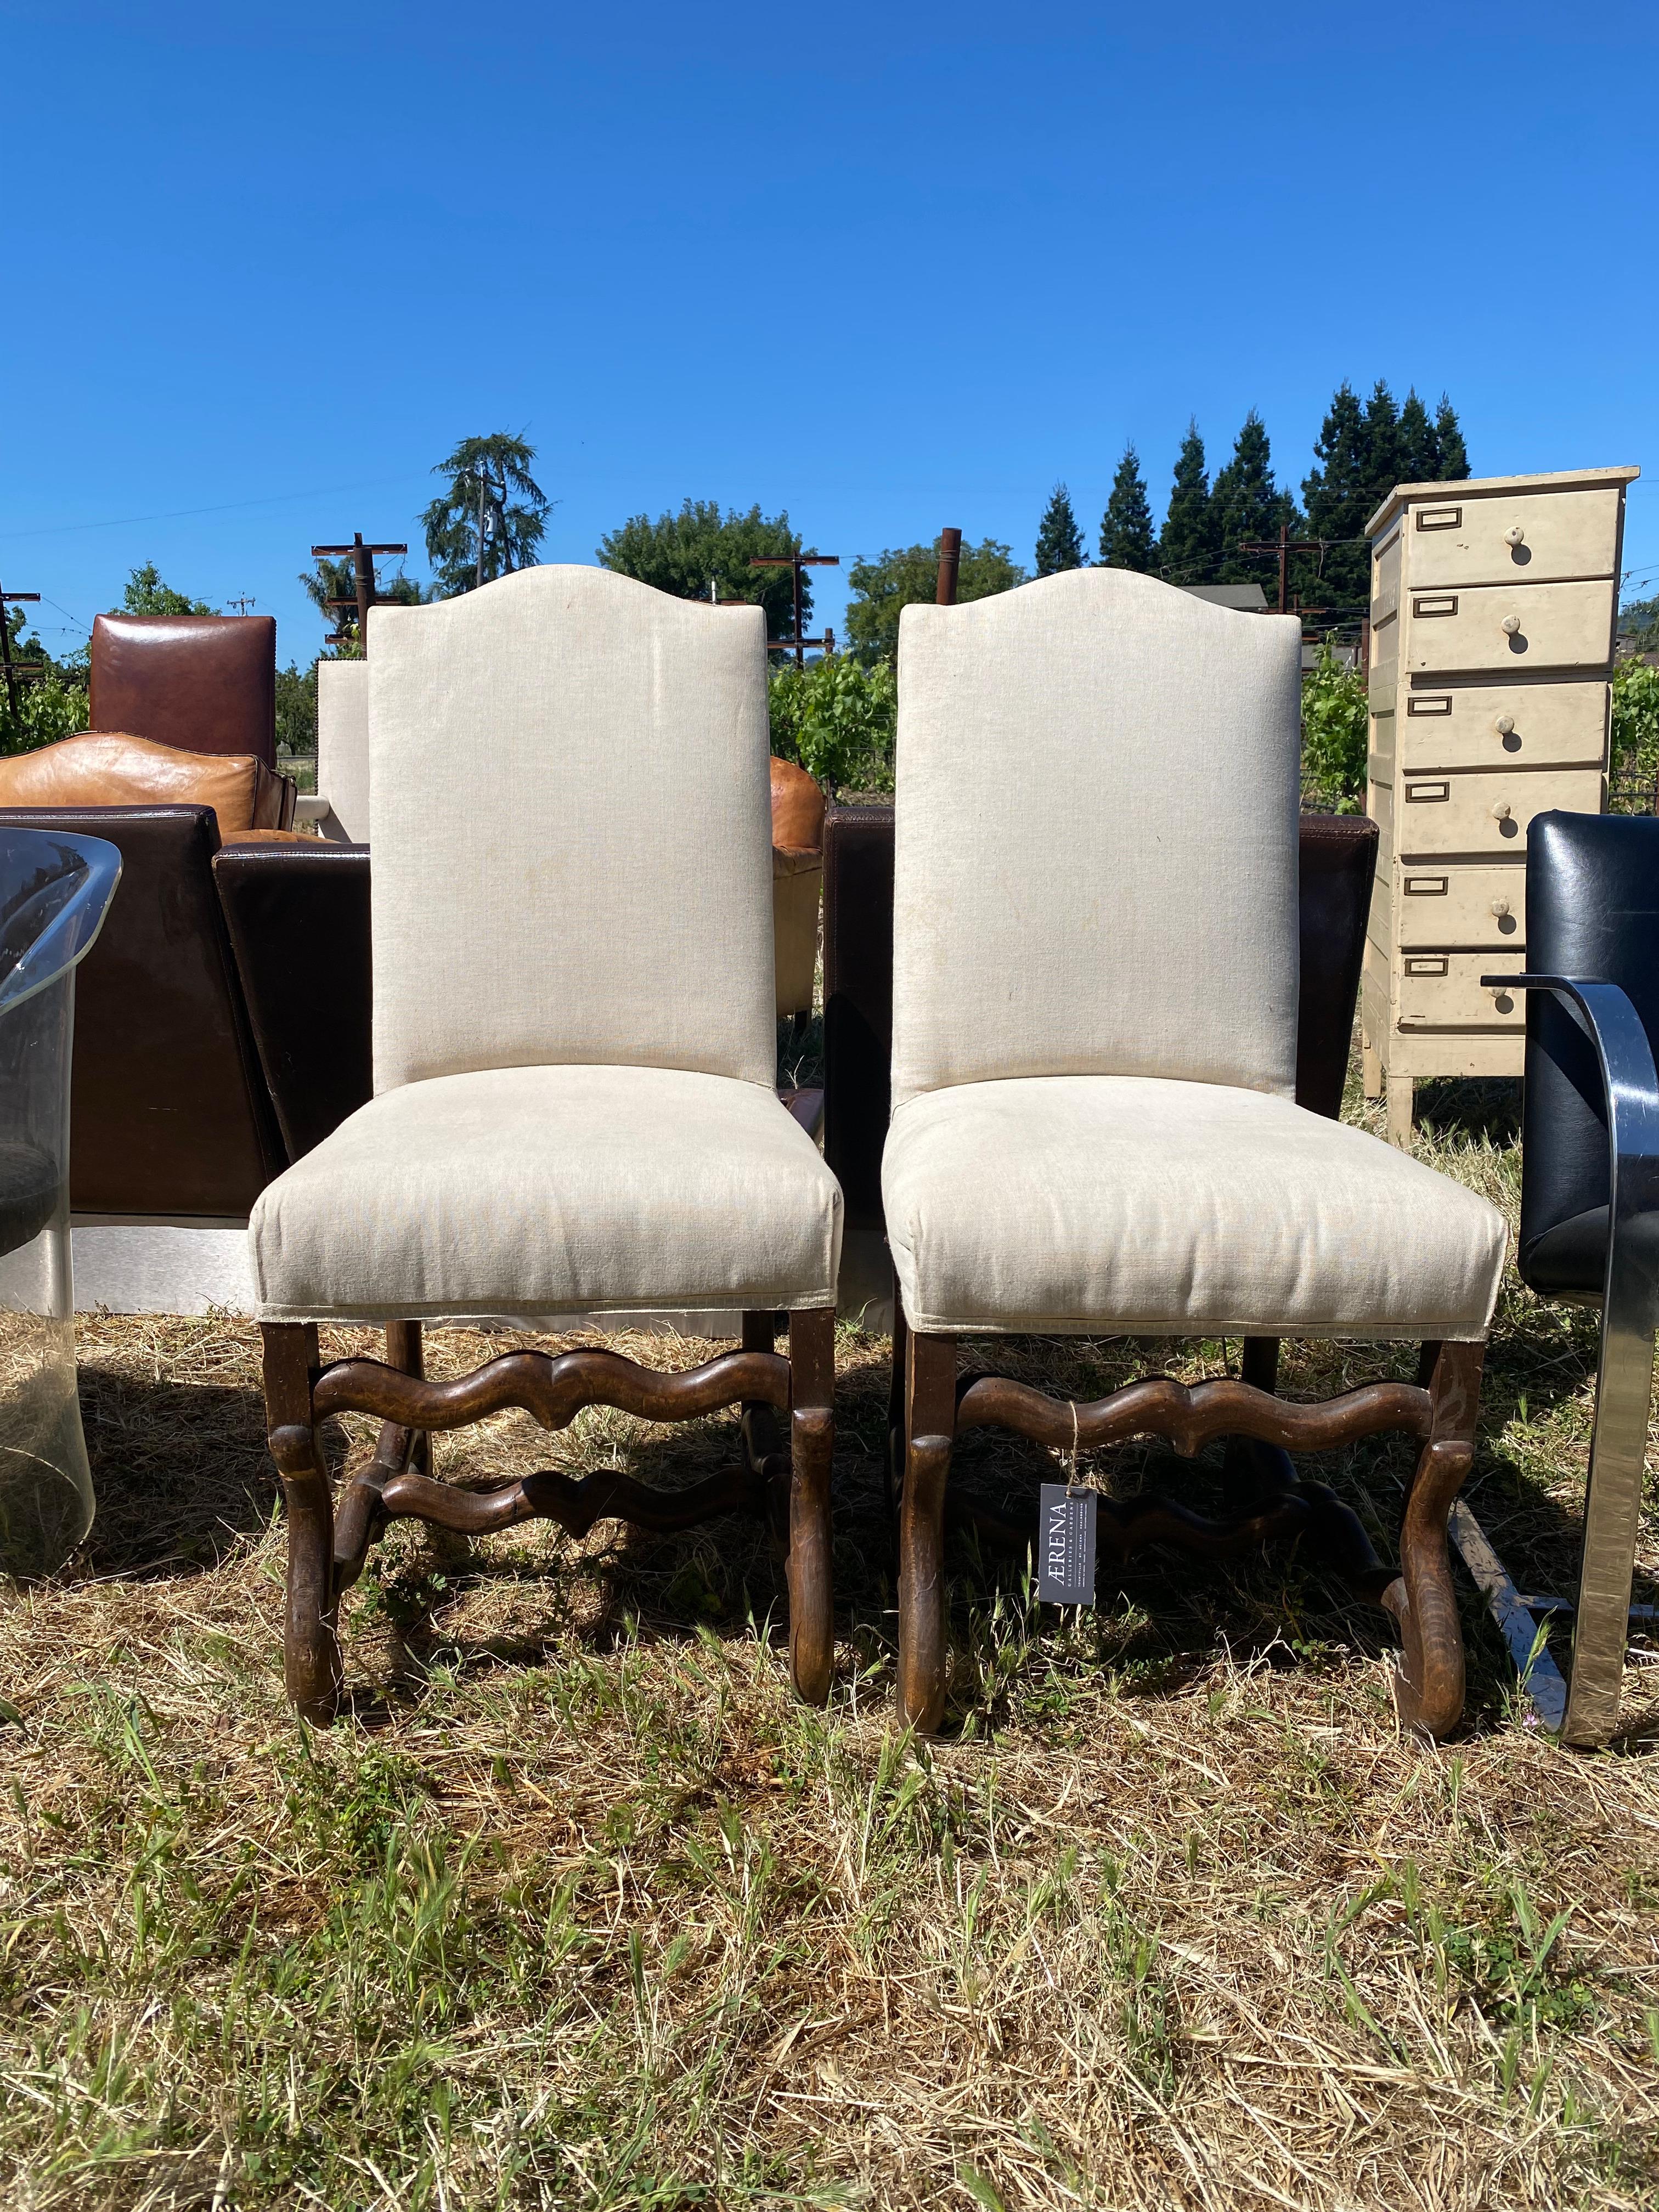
1072 1402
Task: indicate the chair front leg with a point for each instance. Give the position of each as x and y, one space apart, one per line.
930 1420
1429 1689
311 1643
810 1566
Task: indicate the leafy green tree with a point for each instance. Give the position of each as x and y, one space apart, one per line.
1384 455
1639 619
1190 545
296 709
146 594
1060 542
1635 736
1335 732
700 554
492 516
1127 538
1251 507
907 575
1448 440
837 717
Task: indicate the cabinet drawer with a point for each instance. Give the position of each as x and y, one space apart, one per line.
1481 812
1504 725
1534 537
1460 904
1441 991
1555 626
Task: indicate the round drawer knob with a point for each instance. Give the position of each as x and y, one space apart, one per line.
1512 625
1514 535
1505 725
1500 908
1500 811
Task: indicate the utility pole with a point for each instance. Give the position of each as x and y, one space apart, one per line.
243 604
1284 545
950 563
795 562
481 527
363 563
13 668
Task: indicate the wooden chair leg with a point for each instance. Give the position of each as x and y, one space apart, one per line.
929 1427
311 1643
811 1450
893 1468
405 1349
1429 1686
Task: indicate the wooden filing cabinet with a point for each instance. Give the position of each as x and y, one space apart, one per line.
1493 607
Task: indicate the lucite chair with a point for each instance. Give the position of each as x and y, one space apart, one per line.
1094 1129
54 894
574 1055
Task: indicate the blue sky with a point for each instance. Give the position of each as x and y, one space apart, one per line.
887 268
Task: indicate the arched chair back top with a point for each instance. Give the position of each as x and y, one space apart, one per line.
569 812
1096 862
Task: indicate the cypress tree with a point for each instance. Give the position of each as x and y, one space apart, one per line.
1454 454
1337 495
1126 528
1419 447
1383 455
1251 507
1060 542
1188 548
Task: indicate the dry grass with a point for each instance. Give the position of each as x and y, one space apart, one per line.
579 1909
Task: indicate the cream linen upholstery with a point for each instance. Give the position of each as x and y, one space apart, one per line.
596 885
1096 856
1069 1204
343 744
521 1192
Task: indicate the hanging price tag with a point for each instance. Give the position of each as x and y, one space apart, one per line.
1065 1544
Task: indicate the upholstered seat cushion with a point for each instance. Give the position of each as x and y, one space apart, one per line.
521 1191
1141 1206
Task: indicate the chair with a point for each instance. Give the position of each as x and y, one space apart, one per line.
340 807
1094 1131
1589 1185
114 768
574 1057
205 684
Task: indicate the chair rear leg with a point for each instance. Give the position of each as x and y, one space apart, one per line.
311 1643
929 1428
1429 1686
811 1566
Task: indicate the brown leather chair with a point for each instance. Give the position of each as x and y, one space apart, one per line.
115 769
170 1118
206 683
797 885
1338 858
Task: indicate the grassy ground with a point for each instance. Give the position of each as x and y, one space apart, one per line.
579 1909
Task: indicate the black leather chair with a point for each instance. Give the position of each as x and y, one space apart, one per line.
1589 1181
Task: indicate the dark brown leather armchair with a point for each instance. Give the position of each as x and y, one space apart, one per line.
206 683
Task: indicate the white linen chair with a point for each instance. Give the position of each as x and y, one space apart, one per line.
1094 1128
574 1050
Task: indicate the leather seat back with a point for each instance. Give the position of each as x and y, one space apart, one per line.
205 682
114 768
169 1112
1592 914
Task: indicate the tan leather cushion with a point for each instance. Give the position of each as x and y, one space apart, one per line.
270 837
797 809
106 768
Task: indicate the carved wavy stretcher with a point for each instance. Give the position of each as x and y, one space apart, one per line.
575 1503
552 1390
1189 1419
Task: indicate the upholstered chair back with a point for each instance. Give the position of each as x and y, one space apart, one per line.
1095 857
342 743
569 810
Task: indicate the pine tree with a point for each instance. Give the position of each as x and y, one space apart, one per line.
1383 454
1454 454
1189 545
1251 506
1337 494
1060 542
1126 528
1419 447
